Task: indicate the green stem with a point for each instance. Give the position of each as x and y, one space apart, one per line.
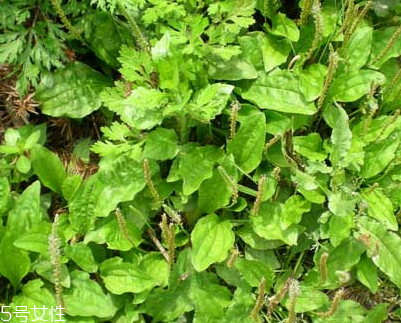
140 39
184 129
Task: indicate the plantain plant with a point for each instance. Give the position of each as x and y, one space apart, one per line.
248 163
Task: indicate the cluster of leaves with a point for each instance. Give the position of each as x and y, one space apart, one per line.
250 169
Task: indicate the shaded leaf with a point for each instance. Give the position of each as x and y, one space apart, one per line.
71 92
278 91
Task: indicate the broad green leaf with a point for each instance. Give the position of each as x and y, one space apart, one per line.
384 248
311 81
34 294
351 86
378 314
367 274
82 255
268 224
129 314
48 167
278 91
310 299
123 277
45 269
108 231
285 27
71 92
253 271
340 137
274 51
359 46
232 70
380 207
293 209
33 241
33 138
310 146
341 203
344 257
356 154
251 48
105 35
166 305
248 143
264 51
121 180
211 239
86 298
14 262
247 234
208 297
340 227
154 265
196 165
330 15
81 208
23 164
215 192
70 186
378 155
267 257
142 109
305 181
210 101
241 307
9 150
27 212
161 144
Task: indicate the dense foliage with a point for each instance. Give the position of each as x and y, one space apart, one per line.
201 161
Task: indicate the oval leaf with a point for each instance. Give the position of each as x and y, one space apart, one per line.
211 240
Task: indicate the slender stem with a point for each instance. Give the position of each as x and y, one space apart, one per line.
140 39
